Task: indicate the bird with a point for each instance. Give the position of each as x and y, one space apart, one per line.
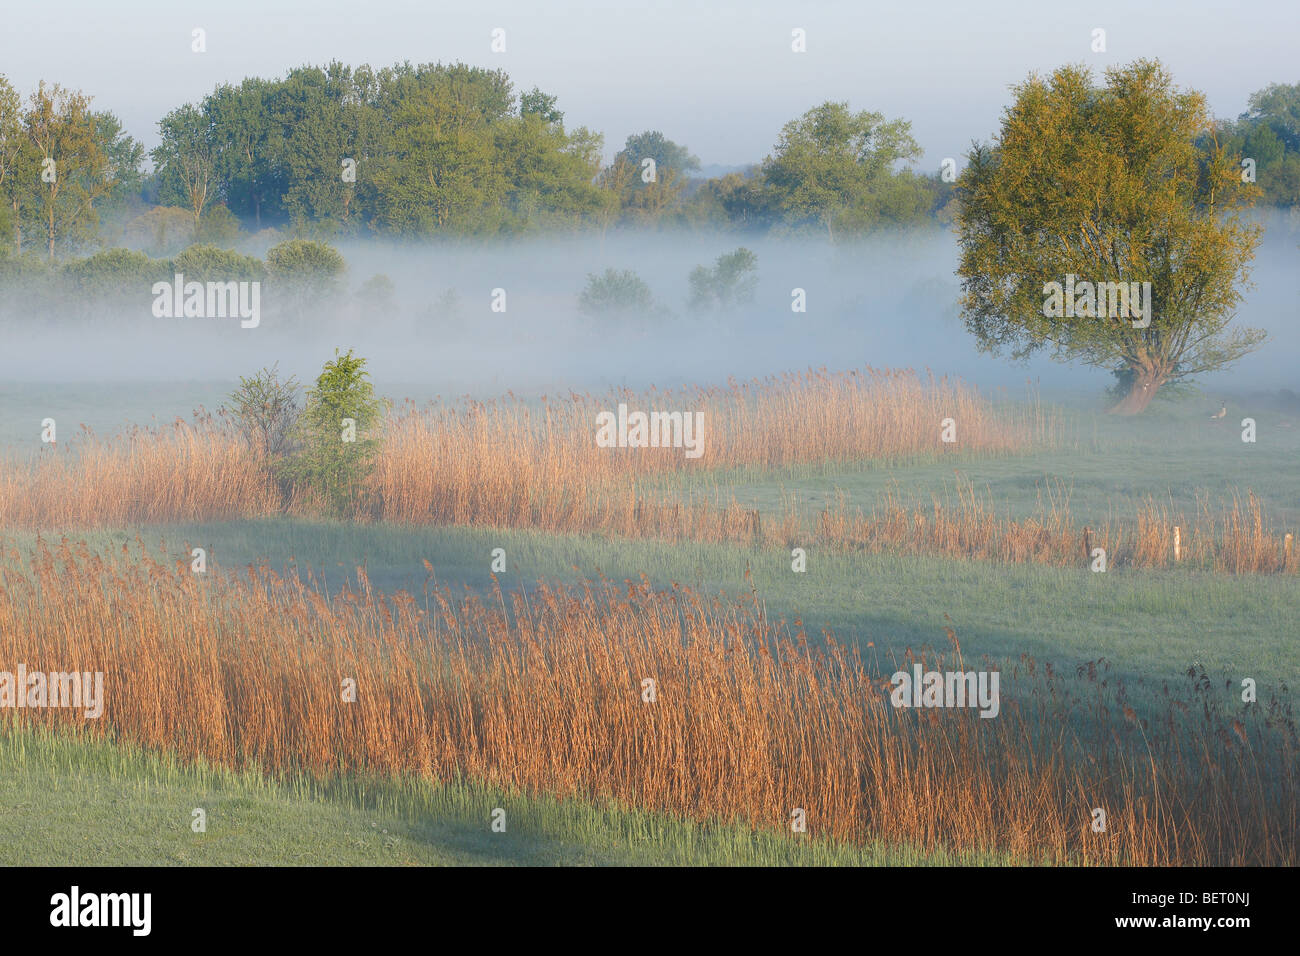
1221 413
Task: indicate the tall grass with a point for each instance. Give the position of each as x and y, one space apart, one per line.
1232 536
144 475
514 464
543 691
512 461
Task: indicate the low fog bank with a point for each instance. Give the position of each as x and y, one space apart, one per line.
888 301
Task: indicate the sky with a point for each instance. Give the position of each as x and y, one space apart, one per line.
720 78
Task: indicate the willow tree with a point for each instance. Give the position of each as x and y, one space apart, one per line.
1105 185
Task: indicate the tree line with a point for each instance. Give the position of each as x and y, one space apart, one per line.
434 150
418 151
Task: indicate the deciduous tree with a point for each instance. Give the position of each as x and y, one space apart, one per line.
1107 184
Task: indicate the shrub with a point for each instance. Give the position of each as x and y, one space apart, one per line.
115 271
616 293
336 432
218 227
30 267
730 282
203 263
305 262
265 410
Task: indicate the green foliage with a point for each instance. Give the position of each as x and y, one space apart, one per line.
13 140
114 271
429 150
247 145
61 212
437 149
738 200
337 432
160 231
537 103
125 156
730 282
629 195
549 173
835 170
205 263
1107 184
327 116
440 176
305 262
667 155
218 227
32 267
617 294
451 150
265 409
186 160
1268 133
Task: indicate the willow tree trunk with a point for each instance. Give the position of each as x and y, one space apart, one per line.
1146 383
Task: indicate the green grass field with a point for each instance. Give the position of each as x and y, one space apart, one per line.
1151 624
1105 468
99 803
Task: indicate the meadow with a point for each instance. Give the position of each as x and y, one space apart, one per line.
1121 690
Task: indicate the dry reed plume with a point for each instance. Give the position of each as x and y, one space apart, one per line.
543 690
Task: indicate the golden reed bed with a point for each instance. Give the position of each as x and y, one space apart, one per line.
750 720
510 463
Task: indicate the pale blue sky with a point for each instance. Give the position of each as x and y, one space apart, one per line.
718 77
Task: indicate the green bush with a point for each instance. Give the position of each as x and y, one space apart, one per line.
114 271
730 282
205 263
218 227
335 455
30 273
616 293
305 262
